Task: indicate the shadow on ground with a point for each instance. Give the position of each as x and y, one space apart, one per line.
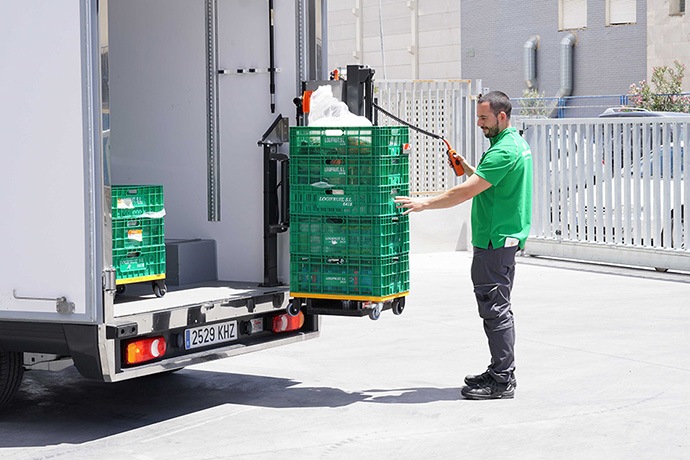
62 407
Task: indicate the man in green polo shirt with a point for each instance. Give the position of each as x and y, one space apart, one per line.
501 186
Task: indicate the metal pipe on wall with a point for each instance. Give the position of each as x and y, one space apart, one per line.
566 89
530 61
567 44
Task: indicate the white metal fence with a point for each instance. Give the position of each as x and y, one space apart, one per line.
611 190
605 189
445 108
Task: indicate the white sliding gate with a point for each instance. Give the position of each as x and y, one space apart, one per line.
443 107
611 190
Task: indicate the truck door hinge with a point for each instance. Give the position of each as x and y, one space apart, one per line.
109 279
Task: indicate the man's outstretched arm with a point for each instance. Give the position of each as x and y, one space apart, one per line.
472 187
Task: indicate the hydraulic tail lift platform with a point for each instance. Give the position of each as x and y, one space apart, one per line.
357 92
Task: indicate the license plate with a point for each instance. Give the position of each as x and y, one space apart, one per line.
211 334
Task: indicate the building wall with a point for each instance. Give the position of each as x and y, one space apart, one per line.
668 38
433 52
606 59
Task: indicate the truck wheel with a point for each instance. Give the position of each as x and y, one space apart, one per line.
11 373
121 289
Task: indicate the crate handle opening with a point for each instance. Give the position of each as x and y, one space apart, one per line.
333 132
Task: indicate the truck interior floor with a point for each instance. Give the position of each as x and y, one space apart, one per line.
138 298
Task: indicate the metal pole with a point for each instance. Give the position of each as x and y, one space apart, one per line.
271 67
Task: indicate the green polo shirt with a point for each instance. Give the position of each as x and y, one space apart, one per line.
505 209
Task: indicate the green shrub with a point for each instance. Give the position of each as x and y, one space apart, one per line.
534 104
667 88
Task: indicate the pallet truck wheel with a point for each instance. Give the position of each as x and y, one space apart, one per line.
120 289
375 314
398 306
159 290
293 309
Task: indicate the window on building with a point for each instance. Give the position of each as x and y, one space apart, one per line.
621 12
677 7
572 14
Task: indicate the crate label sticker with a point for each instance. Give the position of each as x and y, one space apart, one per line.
334 171
130 203
336 279
132 264
136 235
335 240
125 203
330 201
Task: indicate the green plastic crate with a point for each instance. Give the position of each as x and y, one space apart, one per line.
347 236
136 263
136 200
374 140
349 170
354 200
375 277
135 232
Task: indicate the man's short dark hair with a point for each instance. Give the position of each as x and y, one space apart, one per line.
498 102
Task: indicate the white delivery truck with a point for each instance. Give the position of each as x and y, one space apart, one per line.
174 93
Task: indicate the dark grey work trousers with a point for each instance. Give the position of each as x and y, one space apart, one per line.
493 271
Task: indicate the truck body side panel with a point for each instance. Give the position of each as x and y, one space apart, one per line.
46 227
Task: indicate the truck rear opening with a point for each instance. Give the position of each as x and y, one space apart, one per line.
174 120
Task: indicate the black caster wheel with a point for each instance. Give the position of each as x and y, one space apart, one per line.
159 290
293 308
398 306
120 289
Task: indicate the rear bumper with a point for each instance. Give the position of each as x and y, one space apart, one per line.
208 355
98 349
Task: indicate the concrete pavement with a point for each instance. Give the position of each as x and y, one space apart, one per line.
603 361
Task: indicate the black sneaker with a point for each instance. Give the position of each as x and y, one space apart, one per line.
483 379
489 390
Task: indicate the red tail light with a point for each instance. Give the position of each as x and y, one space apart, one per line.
286 323
142 350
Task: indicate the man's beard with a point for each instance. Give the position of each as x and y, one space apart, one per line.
491 132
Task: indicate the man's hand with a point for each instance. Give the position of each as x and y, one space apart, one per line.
467 168
409 204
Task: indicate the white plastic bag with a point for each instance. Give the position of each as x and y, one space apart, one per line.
326 110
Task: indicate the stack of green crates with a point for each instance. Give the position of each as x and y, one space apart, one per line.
347 238
138 233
